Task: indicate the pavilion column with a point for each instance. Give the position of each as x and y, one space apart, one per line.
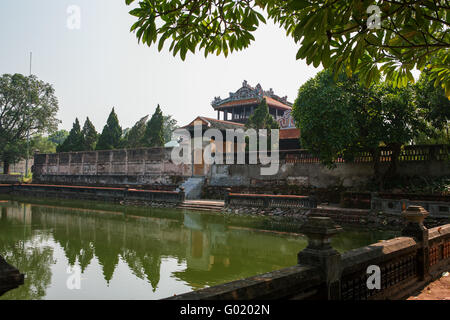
218 115
225 115
232 113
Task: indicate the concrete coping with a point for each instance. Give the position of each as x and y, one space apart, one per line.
94 188
377 252
440 231
268 196
277 284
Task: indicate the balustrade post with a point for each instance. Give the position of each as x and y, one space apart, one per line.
374 201
125 192
182 194
226 196
415 215
320 253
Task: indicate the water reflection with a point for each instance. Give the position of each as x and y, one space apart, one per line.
141 253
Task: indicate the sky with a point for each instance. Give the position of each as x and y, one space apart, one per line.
101 65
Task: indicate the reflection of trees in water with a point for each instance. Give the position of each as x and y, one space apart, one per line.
20 247
215 248
144 265
84 236
35 264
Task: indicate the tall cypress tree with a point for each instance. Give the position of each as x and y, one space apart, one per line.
135 136
111 134
89 136
74 142
154 133
261 118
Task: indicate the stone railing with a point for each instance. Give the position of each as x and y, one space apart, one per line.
392 269
396 206
408 153
95 193
269 201
411 153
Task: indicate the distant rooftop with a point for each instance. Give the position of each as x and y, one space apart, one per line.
248 95
214 123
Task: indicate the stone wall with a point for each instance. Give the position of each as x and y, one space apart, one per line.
315 175
150 166
18 167
10 178
127 196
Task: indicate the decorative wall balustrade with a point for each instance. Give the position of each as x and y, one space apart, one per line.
396 206
412 153
269 201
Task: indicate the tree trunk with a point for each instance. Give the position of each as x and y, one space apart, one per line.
378 177
393 165
5 167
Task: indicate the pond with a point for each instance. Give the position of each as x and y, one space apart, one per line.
94 250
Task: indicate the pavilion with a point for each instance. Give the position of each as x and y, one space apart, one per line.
240 104
236 110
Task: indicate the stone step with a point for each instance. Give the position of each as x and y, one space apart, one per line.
204 205
193 187
200 209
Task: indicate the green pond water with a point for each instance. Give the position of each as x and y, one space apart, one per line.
93 250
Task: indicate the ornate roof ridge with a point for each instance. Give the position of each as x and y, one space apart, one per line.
249 92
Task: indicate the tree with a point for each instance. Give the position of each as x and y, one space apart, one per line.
111 134
340 35
261 119
154 132
59 136
13 152
338 119
28 106
435 108
169 126
134 137
74 141
89 136
42 144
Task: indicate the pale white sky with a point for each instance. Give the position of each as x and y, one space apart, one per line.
102 65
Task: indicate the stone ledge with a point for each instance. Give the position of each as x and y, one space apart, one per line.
289 282
377 252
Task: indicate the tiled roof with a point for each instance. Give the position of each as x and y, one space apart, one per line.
277 104
293 133
216 124
250 95
271 102
238 103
